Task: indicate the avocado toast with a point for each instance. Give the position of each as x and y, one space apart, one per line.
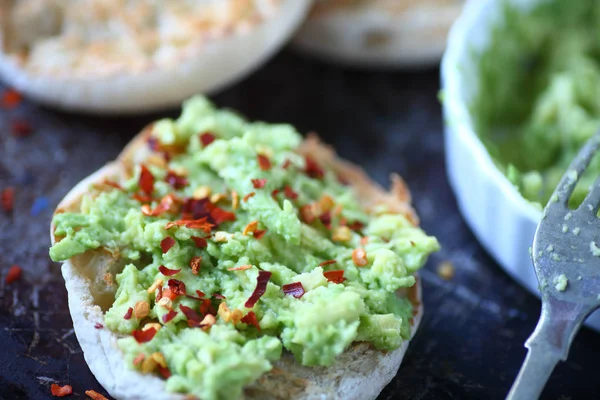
217 258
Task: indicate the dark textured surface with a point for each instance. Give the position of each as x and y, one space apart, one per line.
470 342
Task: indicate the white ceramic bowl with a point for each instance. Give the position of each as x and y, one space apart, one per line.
502 220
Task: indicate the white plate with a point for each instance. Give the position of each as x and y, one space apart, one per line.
501 219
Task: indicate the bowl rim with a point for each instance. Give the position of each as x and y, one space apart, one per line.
457 114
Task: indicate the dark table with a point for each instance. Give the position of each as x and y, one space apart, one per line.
470 344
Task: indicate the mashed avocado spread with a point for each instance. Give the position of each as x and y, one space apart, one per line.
539 93
238 247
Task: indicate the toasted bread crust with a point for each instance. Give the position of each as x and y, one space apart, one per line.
361 372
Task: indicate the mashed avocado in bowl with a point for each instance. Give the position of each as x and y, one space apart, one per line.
539 93
236 247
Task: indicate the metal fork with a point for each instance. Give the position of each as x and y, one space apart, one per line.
563 247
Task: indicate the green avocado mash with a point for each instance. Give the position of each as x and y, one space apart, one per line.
539 93
267 248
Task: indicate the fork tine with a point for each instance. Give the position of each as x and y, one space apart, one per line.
567 183
592 200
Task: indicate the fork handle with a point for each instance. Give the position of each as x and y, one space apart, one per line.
534 374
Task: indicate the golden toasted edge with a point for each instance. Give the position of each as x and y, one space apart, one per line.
372 369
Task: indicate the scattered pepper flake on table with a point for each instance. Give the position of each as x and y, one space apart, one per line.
8 198
13 274
11 99
61 391
92 394
21 128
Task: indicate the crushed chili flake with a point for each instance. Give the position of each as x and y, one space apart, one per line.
159 294
168 293
336 276
8 199
290 193
92 394
141 198
263 162
328 262
248 196
207 138
219 296
356 226
168 203
195 263
251 227
98 325
168 272
206 307
177 287
240 268
200 243
251 319
201 223
261 287
146 180
175 180
313 169
199 293
61 391
294 289
274 193
191 315
164 372
143 336
129 313
259 183
359 256
326 219
259 233
169 316
286 164
140 357
11 98
196 208
21 128
166 244
219 215
306 214
111 183
13 274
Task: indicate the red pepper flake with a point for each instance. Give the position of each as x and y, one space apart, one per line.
248 196
328 262
206 307
263 162
92 394
21 128
11 98
326 219
306 214
219 215
139 359
146 181
199 293
177 181
240 268
286 164
169 316
259 233
207 138
261 287
201 223
259 183
13 274
8 198
142 198
356 226
219 296
274 193
159 294
195 264
166 244
114 184
164 372
196 208
200 243
336 276
98 325
128 313
290 193
191 315
313 169
167 204
168 272
61 391
177 287
143 336
168 293
251 319
294 289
